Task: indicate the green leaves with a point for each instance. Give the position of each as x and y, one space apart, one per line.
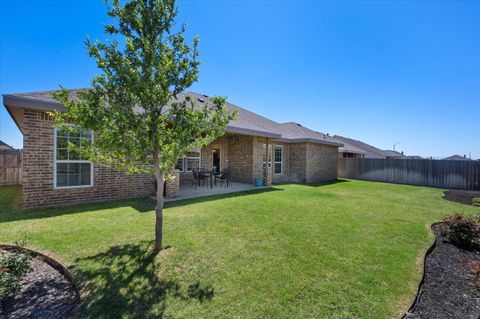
132 106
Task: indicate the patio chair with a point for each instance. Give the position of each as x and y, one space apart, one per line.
198 177
223 178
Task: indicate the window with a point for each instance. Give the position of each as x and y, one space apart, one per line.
70 169
264 154
192 161
278 160
179 165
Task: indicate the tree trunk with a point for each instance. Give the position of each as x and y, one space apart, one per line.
160 177
159 213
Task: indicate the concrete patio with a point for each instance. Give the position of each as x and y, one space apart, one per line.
187 191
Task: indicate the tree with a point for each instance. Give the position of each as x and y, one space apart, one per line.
141 123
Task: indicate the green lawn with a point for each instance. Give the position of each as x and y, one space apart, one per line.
350 249
10 197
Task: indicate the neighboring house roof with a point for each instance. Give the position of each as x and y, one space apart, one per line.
457 158
370 151
349 147
5 146
392 154
247 123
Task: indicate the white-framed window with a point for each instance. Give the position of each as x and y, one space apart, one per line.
278 160
70 169
264 154
189 162
180 164
192 161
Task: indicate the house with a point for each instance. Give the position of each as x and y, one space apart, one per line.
359 149
349 149
51 177
457 158
5 147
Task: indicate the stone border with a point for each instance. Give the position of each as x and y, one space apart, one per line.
55 265
411 309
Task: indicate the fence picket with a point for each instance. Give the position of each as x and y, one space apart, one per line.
435 173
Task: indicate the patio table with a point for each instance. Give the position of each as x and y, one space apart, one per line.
209 175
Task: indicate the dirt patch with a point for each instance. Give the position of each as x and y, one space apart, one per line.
46 293
447 287
460 196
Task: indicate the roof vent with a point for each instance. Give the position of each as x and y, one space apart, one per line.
205 95
201 100
299 124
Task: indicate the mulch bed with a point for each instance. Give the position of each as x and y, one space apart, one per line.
446 290
460 196
46 293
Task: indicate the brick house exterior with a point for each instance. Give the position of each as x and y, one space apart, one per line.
296 154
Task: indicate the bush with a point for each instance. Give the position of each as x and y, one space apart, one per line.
13 267
461 230
476 201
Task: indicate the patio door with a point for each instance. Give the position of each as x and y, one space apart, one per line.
216 159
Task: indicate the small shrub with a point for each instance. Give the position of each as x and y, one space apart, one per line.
476 201
461 230
13 267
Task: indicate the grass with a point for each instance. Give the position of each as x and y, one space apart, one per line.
10 197
350 249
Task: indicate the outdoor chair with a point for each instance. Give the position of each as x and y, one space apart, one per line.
223 177
198 177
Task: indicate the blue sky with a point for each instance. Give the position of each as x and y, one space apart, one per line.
381 72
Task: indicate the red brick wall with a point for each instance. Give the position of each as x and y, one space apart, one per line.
38 170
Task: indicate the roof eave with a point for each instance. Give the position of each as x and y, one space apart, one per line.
352 151
244 131
308 140
31 103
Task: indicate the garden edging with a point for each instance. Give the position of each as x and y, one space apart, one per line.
420 285
57 266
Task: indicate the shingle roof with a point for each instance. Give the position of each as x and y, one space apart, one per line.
370 151
457 158
5 146
247 122
348 147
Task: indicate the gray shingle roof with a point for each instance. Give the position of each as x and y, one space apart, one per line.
370 151
5 146
457 158
247 122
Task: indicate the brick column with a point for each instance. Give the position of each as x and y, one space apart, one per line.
173 186
267 171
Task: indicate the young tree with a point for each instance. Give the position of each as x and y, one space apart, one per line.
141 123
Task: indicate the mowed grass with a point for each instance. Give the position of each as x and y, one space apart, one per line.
10 197
351 249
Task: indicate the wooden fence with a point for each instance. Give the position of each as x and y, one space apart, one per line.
435 173
10 167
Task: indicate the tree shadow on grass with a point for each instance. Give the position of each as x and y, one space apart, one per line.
144 204
124 282
317 184
209 198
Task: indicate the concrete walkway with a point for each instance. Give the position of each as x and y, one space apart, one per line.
187 192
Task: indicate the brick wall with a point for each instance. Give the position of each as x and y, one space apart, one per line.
38 167
321 162
240 158
298 162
